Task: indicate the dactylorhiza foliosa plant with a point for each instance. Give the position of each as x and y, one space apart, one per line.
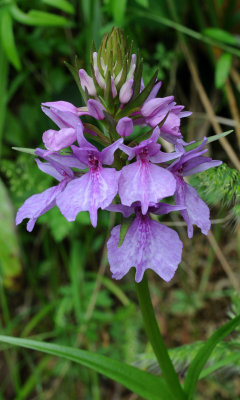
131 177
112 168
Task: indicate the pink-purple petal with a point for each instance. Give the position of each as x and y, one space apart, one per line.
38 204
145 182
147 245
57 140
197 212
96 189
124 127
107 154
96 109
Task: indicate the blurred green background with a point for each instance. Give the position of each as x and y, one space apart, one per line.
55 283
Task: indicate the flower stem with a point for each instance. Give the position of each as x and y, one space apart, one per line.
156 340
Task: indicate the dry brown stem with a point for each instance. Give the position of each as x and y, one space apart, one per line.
208 106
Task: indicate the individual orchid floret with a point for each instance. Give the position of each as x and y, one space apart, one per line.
66 117
97 187
154 110
196 212
87 82
124 127
126 92
60 168
95 109
170 130
147 244
57 140
142 180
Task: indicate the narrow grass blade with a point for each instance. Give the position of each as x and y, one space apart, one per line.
142 383
204 353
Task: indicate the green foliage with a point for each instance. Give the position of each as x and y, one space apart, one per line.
222 70
7 37
221 35
142 383
10 264
61 260
204 353
182 357
219 185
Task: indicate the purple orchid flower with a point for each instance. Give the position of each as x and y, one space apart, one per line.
147 244
97 187
57 166
142 180
196 212
66 117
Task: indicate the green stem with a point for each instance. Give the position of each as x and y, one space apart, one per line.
3 91
155 337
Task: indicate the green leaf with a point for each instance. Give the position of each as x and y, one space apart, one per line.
222 69
189 32
37 18
10 266
204 353
210 139
148 386
143 3
25 150
220 35
63 5
74 71
118 11
7 38
230 360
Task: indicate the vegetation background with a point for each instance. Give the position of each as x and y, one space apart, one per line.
55 284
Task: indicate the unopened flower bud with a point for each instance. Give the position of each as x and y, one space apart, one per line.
126 92
132 67
99 78
118 77
87 82
124 127
114 90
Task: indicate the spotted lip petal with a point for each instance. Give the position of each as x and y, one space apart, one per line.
147 244
95 189
145 182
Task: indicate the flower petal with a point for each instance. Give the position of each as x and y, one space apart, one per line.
57 140
96 109
97 188
145 182
107 154
147 244
38 204
63 119
61 106
197 212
